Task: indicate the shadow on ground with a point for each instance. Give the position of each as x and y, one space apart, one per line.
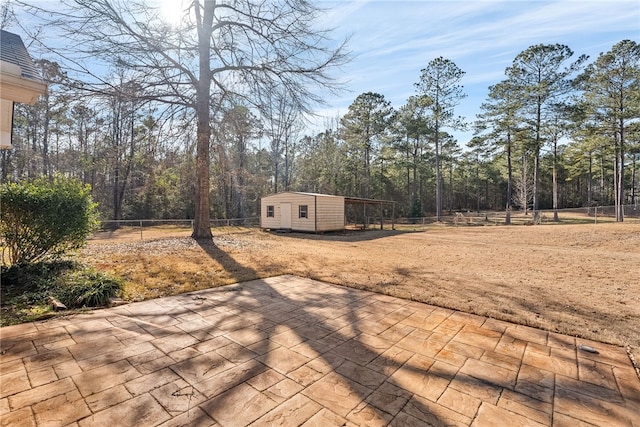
331 338
292 351
345 235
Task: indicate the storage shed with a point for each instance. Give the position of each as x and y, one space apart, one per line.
312 212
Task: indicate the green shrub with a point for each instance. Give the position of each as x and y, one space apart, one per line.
28 284
43 219
87 288
26 289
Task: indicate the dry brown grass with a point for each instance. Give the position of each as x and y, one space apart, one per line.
581 280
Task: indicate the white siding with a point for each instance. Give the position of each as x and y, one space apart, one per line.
303 224
296 199
330 213
327 215
269 222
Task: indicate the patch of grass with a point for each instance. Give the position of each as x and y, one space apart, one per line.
87 288
170 266
26 289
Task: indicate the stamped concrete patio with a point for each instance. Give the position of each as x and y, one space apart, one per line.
292 351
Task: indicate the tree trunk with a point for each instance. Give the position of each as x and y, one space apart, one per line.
536 164
286 162
509 181
590 182
478 184
414 190
201 222
367 172
411 189
555 180
524 189
46 165
536 182
438 174
276 173
620 177
603 190
633 180
117 209
450 198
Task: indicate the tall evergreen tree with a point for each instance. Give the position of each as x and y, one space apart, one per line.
499 124
364 125
611 88
541 76
412 130
439 82
234 134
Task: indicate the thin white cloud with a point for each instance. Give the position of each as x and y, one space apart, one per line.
419 31
393 40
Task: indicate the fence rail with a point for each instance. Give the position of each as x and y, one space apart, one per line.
142 224
595 214
114 224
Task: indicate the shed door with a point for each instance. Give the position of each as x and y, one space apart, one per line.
285 215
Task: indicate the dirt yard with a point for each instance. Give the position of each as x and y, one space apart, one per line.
581 280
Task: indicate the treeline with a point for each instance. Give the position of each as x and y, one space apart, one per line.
558 132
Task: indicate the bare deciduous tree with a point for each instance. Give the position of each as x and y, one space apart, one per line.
221 48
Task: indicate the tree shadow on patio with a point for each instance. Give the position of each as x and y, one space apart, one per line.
318 344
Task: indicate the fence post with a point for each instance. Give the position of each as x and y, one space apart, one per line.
596 215
141 230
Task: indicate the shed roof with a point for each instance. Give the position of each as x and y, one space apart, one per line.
14 52
365 200
304 194
355 200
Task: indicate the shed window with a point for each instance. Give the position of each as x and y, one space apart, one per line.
270 211
302 211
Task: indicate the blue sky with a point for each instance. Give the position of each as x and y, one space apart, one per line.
393 40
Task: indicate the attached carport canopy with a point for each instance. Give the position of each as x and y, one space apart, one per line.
368 204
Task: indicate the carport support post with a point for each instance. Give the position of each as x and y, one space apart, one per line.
393 215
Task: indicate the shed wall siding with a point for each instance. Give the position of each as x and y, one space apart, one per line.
275 220
303 224
330 211
299 224
269 222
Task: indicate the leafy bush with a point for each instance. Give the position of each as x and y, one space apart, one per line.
87 288
43 219
30 284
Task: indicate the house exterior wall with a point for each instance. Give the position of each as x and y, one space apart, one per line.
20 81
324 212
